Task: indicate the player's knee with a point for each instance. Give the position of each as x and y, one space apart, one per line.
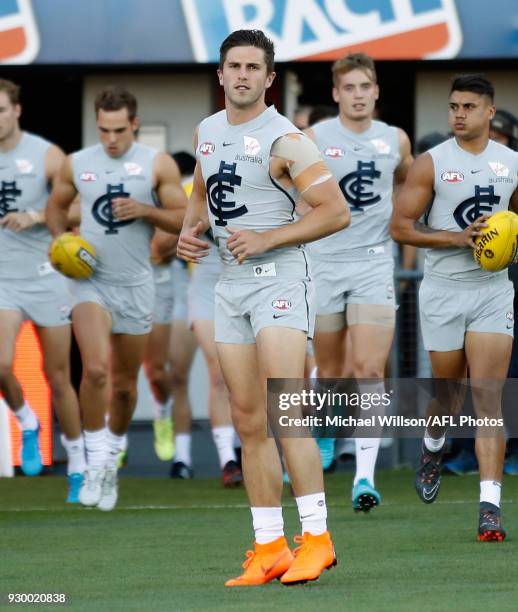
332 369
96 374
125 395
178 379
488 402
365 368
217 382
247 419
157 375
58 381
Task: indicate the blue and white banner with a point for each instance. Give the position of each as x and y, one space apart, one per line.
191 31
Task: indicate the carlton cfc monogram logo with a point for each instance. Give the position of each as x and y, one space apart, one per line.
102 210
355 185
481 203
8 194
219 186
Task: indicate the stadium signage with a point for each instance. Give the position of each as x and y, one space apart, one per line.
326 29
19 37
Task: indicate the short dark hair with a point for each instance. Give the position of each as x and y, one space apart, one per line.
248 38
115 98
477 83
354 61
12 91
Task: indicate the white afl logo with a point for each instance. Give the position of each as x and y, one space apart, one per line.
334 152
206 148
452 176
281 304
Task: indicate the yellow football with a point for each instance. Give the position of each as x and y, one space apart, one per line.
496 248
73 256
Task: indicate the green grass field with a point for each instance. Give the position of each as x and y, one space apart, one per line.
171 545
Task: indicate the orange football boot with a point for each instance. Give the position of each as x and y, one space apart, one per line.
312 557
265 563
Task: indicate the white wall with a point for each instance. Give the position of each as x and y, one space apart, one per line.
178 101
432 89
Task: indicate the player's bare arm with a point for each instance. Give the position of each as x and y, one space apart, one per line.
295 160
19 221
191 247
163 246
167 182
412 202
407 159
63 194
513 202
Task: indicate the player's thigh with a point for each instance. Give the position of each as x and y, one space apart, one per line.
10 324
488 354
157 347
240 369
55 347
182 347
204 332
370 349
488 357
329 351
282 352
241 373
92 329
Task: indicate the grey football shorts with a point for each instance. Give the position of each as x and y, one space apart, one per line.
164 296
244 307
201 293
131 308
44 300
449 309
369 281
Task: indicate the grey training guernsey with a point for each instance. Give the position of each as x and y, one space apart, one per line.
364 165
465 187
241 194
123 247
23 185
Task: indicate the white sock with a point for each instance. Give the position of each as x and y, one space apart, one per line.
366 455
183 448
313 513
115 444
268 524
223 439
75 453
95 444
434 445
490 491
26 417
163 411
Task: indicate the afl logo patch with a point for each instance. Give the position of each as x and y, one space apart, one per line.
206 148
281 304
452 176
334 152
132 168
88 177
24 166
